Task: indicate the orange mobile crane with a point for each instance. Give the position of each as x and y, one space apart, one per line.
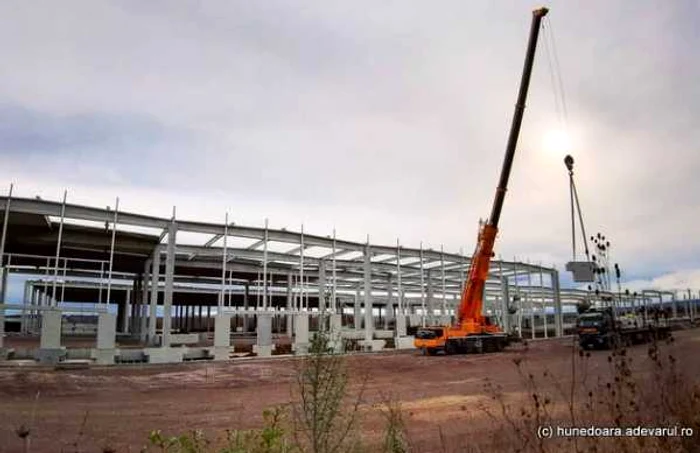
473 331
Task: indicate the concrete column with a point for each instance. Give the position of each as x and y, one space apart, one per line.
222 336
50 349
558 322
290 321
264 345
322 286
106 335
169 275
369 320
50 329
153 313
301 336
336 332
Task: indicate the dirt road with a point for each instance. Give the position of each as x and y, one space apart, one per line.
118 406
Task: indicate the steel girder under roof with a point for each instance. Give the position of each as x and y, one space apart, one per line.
32 236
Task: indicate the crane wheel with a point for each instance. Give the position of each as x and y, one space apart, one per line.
450 348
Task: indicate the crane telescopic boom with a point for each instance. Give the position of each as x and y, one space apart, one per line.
474 331
472 298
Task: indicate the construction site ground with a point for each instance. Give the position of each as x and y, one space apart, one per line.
119 406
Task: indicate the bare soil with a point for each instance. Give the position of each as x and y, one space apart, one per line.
119 406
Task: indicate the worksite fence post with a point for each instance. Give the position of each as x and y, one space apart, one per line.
224 260
398 276
334 303
290 296
25 302
168 293
264 289
422 288
111 252
369 324
505 297
58 247
389 308
690 306
531 300
544 302
444 291
301 267
3 238
321 286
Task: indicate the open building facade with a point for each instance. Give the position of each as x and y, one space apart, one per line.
142 288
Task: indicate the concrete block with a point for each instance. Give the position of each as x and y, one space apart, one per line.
301 336
263 350
300 348
415 320
400 325
197 354
164 355
384 334
222 331
264 330
106 331
6 353
336 334
353 334
372 345
336 323
50 356
50 330
184 338
221 353
131 356
405 342
444 320
104 356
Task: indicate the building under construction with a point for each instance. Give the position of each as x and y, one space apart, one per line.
111 286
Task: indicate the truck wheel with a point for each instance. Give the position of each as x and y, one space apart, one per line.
450 348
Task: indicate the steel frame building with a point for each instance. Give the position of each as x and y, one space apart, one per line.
153 268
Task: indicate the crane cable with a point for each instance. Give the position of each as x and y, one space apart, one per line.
555 74
562 114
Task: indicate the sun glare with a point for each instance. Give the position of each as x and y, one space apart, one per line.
557 142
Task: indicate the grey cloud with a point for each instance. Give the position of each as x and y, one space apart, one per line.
25 131
393 115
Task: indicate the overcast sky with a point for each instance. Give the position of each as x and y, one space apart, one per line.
383 118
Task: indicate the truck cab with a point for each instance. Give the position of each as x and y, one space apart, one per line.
595 328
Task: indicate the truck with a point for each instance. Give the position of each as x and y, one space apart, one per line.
473 331
602 328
